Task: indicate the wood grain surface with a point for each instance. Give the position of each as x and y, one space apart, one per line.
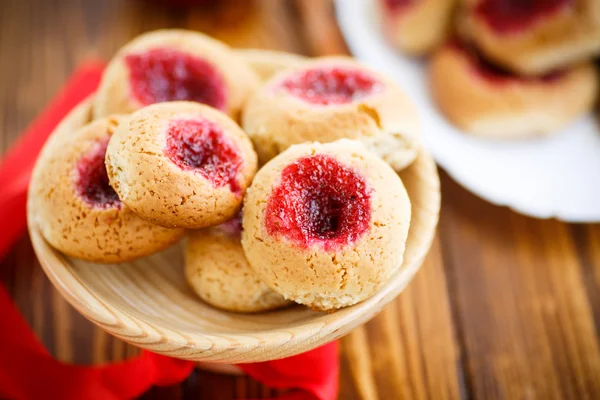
505 307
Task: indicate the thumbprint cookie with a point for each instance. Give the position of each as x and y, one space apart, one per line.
217 270
533 37
173 65
77 210
328 99
416 27
325 225
486 100
180 164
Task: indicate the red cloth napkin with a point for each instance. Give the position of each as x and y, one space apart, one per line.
28 371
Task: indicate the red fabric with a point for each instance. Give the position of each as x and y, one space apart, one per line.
316 372
28 371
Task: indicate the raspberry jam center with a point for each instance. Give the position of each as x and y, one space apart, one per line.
335 85
497 75
319 201
509 16
92 180
160 75
199 145
397 5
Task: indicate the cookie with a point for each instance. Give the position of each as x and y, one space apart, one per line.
217 270
328 99
267 63
485 100
172 65
181 164
79 213
416 27
325 225
533 37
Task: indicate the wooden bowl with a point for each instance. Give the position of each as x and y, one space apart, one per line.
147 302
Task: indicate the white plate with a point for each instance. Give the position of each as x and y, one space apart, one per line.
558 176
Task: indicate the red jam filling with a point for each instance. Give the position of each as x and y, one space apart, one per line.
397 5
319 201
233 227
92 180
336 85
199 145
160 75
510 16
497 75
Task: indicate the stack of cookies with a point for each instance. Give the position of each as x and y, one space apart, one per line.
280 172
503 68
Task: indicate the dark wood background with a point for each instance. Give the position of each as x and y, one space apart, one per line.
505 307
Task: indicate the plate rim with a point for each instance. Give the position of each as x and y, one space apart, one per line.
505 200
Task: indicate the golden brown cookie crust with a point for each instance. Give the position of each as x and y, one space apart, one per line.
72 225
512 109
154 187
267 63
217 270
418 28
321 279
564 38
386 121
241 81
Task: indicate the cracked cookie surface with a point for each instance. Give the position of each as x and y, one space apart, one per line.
333 98
336 234
181 164
175 65
217 270
79 213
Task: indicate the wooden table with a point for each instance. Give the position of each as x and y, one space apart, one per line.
505 307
